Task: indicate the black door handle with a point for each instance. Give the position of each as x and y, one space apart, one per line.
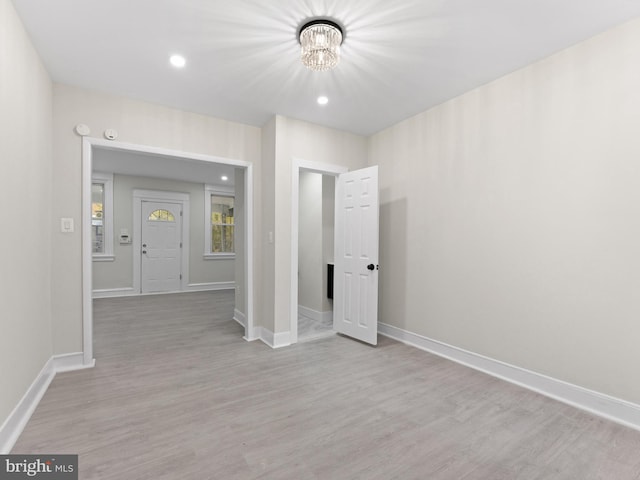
371 266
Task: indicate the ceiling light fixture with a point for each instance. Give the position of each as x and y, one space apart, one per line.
224 178
320 42
177 61
323 100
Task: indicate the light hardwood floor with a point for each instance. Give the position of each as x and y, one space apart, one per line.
177 394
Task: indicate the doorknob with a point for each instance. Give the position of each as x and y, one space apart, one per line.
371 266
144 244
144 251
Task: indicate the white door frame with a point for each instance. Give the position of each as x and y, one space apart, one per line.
88 144
158 196
299 165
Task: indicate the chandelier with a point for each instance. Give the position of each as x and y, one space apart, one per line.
320 44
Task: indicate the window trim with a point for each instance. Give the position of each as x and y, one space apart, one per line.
223 191
106 179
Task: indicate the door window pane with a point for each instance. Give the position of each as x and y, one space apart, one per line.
161 216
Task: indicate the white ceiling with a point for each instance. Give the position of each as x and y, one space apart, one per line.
400 57
159 166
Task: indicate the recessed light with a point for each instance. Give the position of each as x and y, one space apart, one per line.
323 100
177 61
224 178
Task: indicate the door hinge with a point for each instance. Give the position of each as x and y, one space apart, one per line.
180 244
180 276
180 212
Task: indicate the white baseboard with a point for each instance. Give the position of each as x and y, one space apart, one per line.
315 314
274 340
253 335
266 336
282 339
192 287
240 317
113 292
611 408
204 287
70 362
19 417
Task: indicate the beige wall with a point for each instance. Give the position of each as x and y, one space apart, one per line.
138 123
510 217
25 196
310 288
240 215
328 224
119 273
267 214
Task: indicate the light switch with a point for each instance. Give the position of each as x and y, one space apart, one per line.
66 225
270 237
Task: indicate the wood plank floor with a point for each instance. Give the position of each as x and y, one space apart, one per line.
177 394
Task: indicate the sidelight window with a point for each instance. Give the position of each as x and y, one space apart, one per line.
219 223
102 216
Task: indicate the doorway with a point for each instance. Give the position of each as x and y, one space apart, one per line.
162 240
315 255
355 249
161 234
328 173
171 262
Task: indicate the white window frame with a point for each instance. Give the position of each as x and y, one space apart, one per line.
106 179
223 191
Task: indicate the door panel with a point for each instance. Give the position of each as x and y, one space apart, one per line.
356 250
161 259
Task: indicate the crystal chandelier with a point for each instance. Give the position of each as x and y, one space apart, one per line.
320 44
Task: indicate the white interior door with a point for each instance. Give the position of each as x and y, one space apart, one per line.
161 259
355 303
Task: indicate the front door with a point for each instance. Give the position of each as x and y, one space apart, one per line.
161 259
356 255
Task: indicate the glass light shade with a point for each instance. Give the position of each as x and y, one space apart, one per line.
320 46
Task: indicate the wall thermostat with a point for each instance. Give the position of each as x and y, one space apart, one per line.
110 134
125 238
82 130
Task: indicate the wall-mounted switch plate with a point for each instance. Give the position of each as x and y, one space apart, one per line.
66 225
